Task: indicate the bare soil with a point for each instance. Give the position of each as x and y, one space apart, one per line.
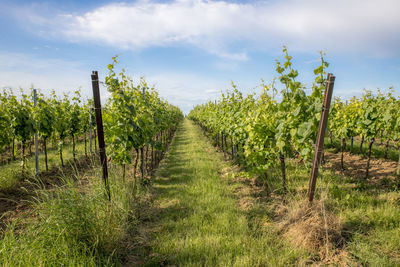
355 166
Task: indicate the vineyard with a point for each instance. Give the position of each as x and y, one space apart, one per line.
257 130
135 118
134 182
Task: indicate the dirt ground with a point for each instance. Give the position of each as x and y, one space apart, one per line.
355 166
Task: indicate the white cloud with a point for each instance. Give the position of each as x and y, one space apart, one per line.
211 91
24 70
186 89
221 27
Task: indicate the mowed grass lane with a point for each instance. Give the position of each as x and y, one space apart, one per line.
198 222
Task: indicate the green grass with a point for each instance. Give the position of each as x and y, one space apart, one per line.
368 212
12 173
199 223
197 218
73 225
370 218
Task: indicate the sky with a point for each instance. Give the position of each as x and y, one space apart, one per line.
191 50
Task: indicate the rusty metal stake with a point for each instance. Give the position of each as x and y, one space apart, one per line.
330 80
100 132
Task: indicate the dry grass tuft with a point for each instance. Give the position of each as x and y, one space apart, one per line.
313 227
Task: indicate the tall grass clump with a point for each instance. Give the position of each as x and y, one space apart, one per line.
73 225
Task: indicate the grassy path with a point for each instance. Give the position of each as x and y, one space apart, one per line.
198 222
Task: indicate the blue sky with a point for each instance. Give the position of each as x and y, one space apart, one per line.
193 49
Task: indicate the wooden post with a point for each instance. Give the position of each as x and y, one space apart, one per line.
321 134
351 145
398 167
142 163
283 169
36 137
100 133
369 156
90 131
